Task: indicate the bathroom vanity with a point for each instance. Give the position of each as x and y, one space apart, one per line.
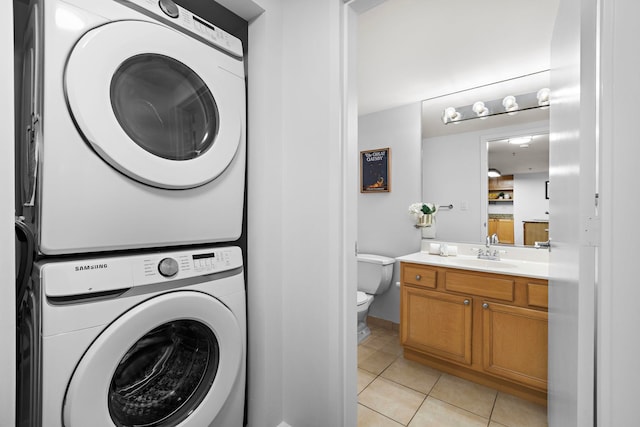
482 320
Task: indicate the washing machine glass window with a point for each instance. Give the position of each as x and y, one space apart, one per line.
164 107
164 376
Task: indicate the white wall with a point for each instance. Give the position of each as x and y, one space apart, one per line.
384 225
265 228
618 340
572 172
529 201
454 172
7 260
302 337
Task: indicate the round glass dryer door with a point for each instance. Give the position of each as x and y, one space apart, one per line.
172 360
164 107
159 108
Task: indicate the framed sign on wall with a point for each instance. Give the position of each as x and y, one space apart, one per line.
375 171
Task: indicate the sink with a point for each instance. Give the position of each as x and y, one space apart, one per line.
483 263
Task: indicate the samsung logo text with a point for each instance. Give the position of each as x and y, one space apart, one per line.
91 267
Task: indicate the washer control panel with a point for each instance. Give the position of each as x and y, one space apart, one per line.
95 275
174 15
180 265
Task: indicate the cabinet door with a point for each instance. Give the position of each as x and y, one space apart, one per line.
505 230
515 343
437 323
535 232
492 226
504 182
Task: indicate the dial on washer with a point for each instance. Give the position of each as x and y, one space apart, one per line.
169 8
168 267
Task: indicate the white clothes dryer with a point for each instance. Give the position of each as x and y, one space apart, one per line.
155 339
138 131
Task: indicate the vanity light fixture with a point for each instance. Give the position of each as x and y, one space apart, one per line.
510 104
494 173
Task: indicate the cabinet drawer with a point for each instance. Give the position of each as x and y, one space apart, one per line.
418 275
490 287
538 295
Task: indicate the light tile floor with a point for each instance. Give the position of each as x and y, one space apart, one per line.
393 392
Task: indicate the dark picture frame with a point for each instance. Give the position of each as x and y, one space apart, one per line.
546 189
375 170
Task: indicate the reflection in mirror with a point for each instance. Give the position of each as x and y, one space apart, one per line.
455 161
518 210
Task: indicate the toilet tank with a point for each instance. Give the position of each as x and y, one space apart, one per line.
374 273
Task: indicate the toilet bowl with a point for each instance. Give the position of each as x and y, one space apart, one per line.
374 277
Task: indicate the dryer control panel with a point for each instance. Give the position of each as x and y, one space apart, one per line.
178 17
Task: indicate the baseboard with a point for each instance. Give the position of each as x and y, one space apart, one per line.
383 323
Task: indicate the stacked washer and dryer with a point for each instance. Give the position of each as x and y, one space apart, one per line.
132 166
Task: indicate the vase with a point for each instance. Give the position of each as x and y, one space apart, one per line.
429 230
425 221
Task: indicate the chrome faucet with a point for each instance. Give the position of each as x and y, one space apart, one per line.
488 253
540 245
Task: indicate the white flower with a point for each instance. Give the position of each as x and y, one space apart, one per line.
420 209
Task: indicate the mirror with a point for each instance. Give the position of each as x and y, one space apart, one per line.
518 207
457 156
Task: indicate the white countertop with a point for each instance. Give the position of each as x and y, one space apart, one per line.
534 264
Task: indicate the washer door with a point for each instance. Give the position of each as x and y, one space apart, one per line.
157 108
171 360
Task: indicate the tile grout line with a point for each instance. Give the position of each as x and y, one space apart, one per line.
416 412
494 406
380 413
462 409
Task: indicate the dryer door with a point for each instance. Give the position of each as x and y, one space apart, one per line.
159 108
171 360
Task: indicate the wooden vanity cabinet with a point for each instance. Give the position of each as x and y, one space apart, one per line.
488 328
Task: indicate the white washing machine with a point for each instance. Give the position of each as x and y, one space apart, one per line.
156 339
136 136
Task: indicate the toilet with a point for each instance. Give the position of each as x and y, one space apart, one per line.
374 277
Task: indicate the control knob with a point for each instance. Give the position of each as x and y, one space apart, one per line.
168 267
169 8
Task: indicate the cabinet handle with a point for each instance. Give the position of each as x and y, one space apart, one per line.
418 277
485 305
466 302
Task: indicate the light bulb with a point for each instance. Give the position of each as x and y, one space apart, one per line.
480 109
520 140
450 115
543 97
509 103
